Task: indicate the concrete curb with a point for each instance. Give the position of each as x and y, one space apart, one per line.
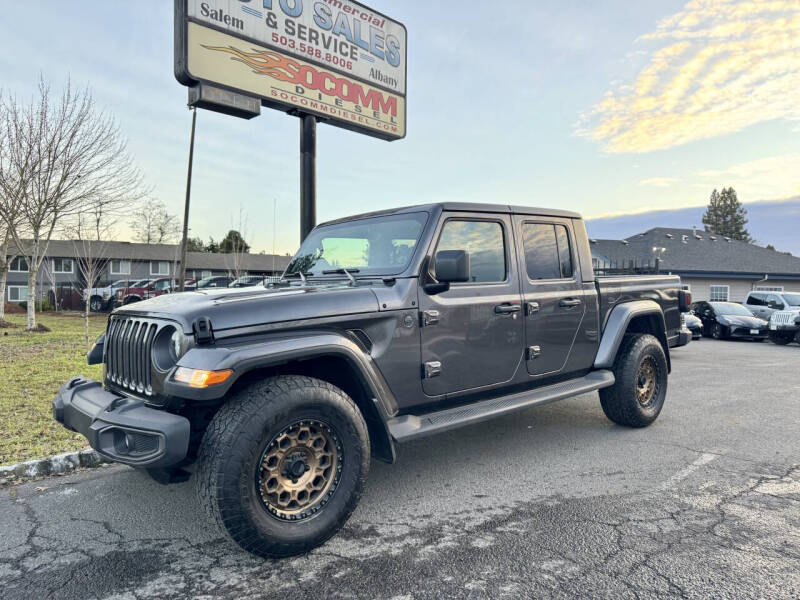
52 465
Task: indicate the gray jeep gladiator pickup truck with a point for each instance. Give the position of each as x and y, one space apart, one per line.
384 328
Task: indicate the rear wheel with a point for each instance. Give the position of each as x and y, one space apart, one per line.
638 394
781 338
282 465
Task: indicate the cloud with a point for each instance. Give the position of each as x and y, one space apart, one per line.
661 182
771 177
715 67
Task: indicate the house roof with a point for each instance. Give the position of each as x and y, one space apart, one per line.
689 250
171 252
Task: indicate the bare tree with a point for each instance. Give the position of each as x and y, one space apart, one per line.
62 153
90 233
5 263
153 224
9 212
235 248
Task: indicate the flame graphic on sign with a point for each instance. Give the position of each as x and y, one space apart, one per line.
263 62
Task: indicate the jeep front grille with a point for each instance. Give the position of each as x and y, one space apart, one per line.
128 348
784 317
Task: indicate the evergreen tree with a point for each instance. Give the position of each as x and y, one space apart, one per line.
195 244
726 216
233 242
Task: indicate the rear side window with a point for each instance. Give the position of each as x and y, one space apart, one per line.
483 241
548 254
756 300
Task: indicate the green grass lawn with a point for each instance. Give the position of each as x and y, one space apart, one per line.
33 367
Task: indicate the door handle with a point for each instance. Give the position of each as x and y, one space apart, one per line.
506 309
569 302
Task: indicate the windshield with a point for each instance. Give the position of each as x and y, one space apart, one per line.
728 308
792 299
371 246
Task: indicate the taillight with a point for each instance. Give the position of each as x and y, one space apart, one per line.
684 300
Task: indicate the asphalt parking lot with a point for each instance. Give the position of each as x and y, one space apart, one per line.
554 501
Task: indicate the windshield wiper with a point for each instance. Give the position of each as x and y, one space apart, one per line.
299 274
343 271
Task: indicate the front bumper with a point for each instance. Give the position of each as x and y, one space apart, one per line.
747 333
121 428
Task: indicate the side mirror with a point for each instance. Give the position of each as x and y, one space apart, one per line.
451 266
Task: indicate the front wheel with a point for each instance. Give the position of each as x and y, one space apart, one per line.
638 394
781 338
282 465
718 332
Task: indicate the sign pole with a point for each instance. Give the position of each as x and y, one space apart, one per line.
308 174
184 239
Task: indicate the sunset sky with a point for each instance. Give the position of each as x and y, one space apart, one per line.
604 107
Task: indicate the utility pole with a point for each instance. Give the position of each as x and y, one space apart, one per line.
308 174
184 240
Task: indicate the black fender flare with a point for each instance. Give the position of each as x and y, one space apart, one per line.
278 350
617 324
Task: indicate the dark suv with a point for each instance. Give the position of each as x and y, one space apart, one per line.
385 328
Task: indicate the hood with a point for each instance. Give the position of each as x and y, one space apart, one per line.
742 321
230 308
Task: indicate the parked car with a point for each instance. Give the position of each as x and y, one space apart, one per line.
784 326
694 325
730 320
102 297
247 281
218 281
763 304
122 292
151 289
452 314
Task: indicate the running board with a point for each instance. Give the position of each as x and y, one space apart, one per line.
411 427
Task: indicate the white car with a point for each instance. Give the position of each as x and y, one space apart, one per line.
100 297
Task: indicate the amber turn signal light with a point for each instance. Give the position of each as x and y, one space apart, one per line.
198 378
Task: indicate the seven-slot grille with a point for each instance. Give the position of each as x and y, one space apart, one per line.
129 345
784 317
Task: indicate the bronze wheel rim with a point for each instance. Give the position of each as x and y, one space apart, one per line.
299 470
646 381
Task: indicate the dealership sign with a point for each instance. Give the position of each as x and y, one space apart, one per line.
336 59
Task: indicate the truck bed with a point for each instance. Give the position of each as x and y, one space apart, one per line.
662 289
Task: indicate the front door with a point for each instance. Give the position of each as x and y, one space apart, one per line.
551 291
472 334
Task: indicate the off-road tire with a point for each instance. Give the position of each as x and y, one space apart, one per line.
781 338
234 445
620 402
96 304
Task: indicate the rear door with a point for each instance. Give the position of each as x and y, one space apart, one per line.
471 335
552 292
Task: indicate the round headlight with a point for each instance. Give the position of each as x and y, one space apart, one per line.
175 345
167 347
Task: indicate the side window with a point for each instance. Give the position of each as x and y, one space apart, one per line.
756 300
483 241
547 251
775 300
564 251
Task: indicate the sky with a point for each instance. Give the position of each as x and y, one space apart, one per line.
605 107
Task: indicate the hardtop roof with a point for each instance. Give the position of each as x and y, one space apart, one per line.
463 207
